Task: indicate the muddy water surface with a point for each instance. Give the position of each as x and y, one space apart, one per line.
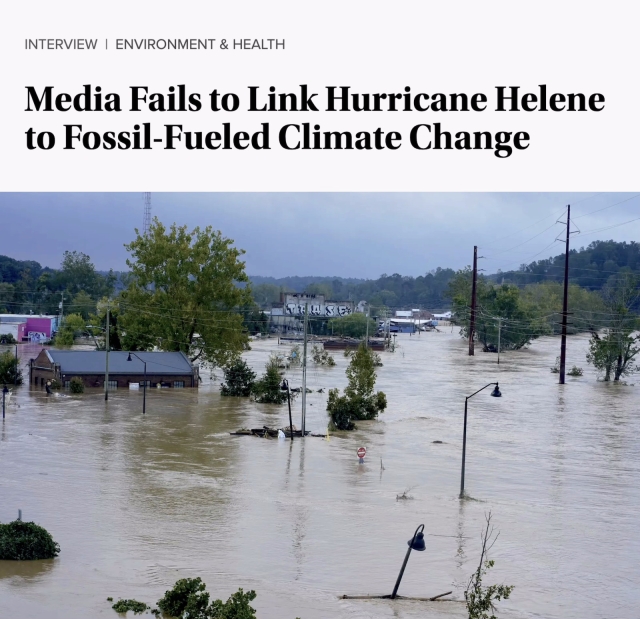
138 502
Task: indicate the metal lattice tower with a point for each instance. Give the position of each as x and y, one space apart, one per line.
147 213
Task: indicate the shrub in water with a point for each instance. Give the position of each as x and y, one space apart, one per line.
26 541
122 606
267 389
188 598
187 592
76 385
239 379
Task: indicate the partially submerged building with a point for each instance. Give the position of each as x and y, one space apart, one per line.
164 369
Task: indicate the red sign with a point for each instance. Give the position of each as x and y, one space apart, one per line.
362 452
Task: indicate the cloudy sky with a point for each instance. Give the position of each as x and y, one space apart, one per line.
343 234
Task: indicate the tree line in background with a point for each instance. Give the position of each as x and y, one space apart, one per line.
188 291
591 267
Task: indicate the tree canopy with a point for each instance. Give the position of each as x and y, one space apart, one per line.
183 294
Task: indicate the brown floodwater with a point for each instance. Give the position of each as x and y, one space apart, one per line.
138 502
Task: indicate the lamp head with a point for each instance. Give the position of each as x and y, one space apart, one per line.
496 392
285 385
418 542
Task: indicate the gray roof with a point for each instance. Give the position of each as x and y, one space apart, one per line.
94 361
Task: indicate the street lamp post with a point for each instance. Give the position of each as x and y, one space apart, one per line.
4 394
285 387
496 394
415 543
144 387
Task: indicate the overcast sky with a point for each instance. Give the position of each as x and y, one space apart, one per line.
343 234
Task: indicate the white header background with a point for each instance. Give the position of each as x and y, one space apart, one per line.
370 46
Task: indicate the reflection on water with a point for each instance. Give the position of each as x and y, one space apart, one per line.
19 572
138 502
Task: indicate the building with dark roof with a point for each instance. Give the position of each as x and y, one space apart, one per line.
165 369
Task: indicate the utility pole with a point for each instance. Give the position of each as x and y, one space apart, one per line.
565 302
499 334
106 367
61 310
367 340
472 323
304 367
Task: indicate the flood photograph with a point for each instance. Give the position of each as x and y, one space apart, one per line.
313 405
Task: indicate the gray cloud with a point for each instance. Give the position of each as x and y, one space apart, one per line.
347 234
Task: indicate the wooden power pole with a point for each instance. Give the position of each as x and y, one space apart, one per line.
472 322
565 303
106 361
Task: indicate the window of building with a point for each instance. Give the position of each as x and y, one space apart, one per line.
67 384
112 384
178 384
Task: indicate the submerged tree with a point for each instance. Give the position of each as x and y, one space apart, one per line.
183 294
73 325
502 313
352 325
267 390
480 599
614 350
321 356
10 371
359 401
239 379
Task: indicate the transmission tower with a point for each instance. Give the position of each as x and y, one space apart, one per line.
147 212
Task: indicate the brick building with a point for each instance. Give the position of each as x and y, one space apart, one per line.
167 369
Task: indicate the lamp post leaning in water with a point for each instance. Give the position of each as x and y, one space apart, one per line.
144 387
285 387
496 394
415 543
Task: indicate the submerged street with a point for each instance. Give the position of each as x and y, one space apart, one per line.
138 502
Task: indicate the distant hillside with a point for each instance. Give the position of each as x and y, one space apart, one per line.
300 283
12 270
589 267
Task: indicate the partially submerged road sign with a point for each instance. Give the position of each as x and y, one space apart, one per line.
362 452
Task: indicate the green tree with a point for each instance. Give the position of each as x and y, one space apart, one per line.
10 371
265 294
239 379
352 325
267 390
6 297
183 294
359 400
613 351
77 273
255 320
72 326
546 299
83 304
501 312
97 324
